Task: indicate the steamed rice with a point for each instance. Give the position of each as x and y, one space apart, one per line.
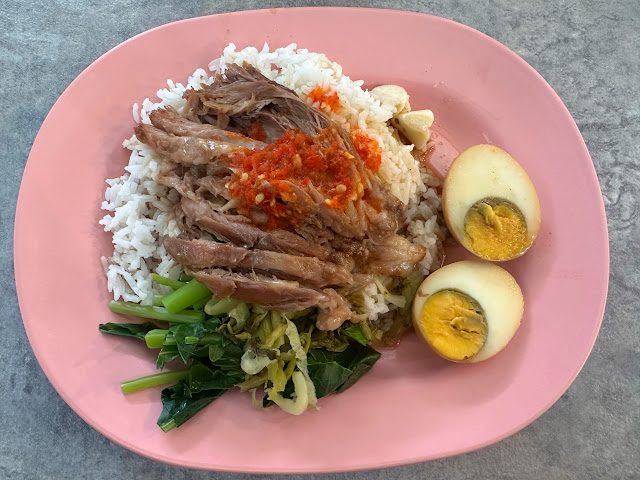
140 213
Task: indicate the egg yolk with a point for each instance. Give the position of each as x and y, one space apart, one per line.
495 229
453 324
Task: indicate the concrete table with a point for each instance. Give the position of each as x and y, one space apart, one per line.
587 50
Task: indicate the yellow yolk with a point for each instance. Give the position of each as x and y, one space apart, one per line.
453 324
496 230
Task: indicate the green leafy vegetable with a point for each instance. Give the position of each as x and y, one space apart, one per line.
223 352
205 383
337 371
355 332
204 377
232 343
135 330
179 404
167 354
331 340
186 336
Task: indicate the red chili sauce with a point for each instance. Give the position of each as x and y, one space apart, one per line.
268 178
369 150
326 97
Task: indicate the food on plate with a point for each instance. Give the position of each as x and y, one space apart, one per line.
393 95
490 205
278 217
468 311
415 126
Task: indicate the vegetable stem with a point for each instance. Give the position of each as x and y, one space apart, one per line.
185 296
155 338
220 306
169 282
157 300
161 338
155 313
169 425
184 277
154 380
199 305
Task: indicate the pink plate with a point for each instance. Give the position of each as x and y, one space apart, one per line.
412 406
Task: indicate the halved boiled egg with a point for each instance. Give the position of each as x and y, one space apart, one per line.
468 311
489 203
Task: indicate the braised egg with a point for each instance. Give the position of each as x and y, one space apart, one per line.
490 204
468 311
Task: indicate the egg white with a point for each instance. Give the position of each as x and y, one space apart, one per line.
485 171
495 290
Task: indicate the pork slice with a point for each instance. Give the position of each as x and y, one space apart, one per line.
350 222
270 293
169 120
184 150
307 270
277 295
244 96
384 211
172 179
395 257
237 230
215 185
333 310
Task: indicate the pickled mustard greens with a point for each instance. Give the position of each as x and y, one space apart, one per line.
224 343
496 229
453 324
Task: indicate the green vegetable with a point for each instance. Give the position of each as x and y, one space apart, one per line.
304 391
154 380
203 377
355 332
206 382
155 313
334 372
155 338
185 296
199 305
184 277
167 354
232 343
179 404
136 330
169 282
403 321
397 300
334 341
238 312
186 336
196 340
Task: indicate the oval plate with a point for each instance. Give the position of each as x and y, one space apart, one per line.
412 406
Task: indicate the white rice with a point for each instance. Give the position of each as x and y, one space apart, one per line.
139 210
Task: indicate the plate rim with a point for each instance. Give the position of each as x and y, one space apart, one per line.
362 465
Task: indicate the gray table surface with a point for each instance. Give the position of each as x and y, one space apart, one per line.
587 50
